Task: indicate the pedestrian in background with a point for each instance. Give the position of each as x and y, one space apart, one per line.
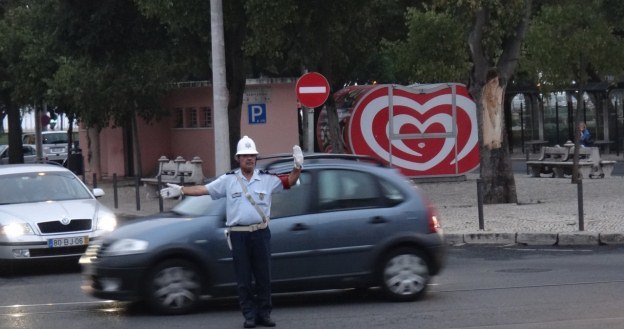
585 139
248 192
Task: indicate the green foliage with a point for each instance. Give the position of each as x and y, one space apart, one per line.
25 46
435 49
573 41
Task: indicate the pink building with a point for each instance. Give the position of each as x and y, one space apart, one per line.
269 116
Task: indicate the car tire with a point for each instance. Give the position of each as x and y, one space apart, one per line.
404 275
173 287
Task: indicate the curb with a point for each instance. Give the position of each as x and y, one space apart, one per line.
579 238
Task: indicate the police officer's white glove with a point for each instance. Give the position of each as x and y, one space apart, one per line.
171 192
298 156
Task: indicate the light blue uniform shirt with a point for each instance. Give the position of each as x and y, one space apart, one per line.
239 211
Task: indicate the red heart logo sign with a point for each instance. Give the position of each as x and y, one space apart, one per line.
423 130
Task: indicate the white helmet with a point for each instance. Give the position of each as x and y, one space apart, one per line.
246 145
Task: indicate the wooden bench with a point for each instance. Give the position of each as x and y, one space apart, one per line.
178 171
558 162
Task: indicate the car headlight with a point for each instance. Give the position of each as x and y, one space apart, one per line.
14 230
106 221
127 247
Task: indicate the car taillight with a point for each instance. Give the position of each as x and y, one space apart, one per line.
432 219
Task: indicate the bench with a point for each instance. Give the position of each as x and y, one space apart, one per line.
558 162
550 157
178 171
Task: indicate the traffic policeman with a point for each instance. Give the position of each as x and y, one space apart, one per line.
248 193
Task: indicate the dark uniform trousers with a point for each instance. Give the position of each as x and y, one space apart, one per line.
251 252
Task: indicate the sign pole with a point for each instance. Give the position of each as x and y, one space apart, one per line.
310 130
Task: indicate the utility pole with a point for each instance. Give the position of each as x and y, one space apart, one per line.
219 90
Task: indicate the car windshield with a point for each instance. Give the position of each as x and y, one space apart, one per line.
41 186
200 205
56 138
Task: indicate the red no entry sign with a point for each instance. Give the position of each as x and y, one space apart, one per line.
312 89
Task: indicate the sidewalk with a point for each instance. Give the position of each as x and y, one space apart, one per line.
546 212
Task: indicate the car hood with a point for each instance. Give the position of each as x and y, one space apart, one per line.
50 210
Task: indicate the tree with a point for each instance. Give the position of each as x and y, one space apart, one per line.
495 31
114 64
25 45
414 58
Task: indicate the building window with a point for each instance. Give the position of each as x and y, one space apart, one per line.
192 117
179 117
206 117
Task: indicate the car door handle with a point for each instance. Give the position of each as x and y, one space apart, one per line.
378 220
299 227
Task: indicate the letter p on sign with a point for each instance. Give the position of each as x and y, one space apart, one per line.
256 113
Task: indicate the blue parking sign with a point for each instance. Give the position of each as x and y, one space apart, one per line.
256 113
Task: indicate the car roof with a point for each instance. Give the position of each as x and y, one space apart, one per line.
47 132
9 169
276 161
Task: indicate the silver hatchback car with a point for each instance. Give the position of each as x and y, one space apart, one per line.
348 223
46 212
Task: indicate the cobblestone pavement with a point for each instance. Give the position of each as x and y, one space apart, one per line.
547 205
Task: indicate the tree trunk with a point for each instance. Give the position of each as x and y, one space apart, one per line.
487 87
15 132
136 148
93 153
235 70
335 131
499 185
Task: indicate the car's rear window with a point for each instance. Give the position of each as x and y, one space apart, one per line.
53 138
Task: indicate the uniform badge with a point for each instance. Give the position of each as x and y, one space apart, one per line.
261 196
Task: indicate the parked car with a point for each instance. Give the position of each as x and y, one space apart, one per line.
53 143
29 151
348 223
47 212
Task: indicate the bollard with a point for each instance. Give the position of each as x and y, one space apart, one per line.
160 199
527 160
137 193
480 203
579 189
115 190
94 180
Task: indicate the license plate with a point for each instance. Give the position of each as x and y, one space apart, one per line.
57 150
68 242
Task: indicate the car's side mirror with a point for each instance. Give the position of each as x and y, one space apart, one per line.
98 192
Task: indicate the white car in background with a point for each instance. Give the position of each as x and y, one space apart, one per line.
53 144
47 212
29 151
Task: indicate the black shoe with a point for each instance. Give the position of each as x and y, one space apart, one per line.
265 321
249 324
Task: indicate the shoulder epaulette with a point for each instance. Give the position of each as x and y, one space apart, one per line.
230 172
265 172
